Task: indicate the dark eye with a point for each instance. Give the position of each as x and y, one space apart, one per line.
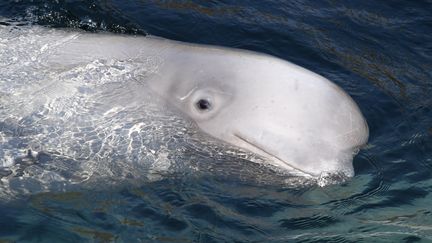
203 105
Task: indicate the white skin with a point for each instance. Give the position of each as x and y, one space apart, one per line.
295 118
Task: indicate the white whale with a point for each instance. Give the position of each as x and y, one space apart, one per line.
294 118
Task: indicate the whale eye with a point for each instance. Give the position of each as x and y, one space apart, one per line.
203 105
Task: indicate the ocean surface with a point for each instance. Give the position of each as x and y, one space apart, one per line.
380 52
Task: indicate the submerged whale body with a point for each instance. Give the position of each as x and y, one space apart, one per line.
93 96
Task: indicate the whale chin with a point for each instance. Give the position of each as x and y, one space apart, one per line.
307 166
258 149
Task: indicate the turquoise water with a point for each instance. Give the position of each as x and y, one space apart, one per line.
379 52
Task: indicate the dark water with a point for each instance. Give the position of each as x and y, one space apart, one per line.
380 52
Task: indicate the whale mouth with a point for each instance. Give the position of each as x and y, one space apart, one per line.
264 152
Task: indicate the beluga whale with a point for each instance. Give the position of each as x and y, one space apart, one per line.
293 118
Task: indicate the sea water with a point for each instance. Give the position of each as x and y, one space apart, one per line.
379 52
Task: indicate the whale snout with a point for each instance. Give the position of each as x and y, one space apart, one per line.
312 127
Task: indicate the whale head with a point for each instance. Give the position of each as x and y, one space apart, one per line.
296 119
